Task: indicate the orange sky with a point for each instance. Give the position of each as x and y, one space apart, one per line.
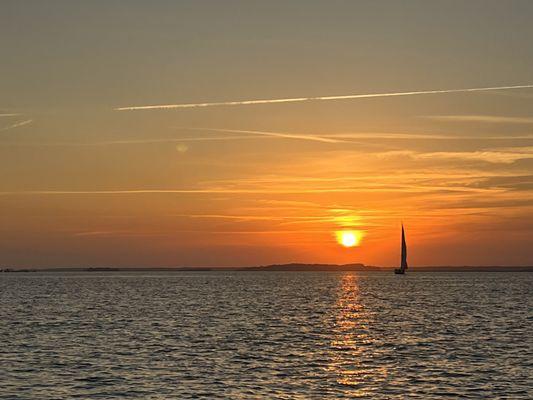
84 185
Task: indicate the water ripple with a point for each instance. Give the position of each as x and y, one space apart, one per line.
266 335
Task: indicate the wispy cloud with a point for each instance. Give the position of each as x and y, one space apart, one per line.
136 233
317 98
507 155
183 191
429 136
242 218
406 182
371 184
489 119
222 190
9 115
16 125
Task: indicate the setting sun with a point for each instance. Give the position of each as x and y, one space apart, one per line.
349 238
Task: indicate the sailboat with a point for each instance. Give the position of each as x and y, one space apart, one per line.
403 262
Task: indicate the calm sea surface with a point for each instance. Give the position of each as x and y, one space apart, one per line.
288 335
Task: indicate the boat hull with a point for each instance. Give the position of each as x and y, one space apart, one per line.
399 271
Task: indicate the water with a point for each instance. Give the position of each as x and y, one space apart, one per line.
170 335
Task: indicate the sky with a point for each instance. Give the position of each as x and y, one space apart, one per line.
87 178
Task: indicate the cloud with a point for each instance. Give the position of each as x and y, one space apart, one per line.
394 136
182 191
409 136
516 182
16 125
136 233
243 218
318 98
504 155
9 115
489 119
369 187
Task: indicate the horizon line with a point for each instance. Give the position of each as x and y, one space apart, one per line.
271 267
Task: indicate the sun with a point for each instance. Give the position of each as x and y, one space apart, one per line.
349 238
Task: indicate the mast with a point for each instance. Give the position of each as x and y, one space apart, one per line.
403 265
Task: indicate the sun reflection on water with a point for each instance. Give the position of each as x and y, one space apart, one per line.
353 347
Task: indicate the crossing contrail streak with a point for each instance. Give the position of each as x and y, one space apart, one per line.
16 125
315 138
320 98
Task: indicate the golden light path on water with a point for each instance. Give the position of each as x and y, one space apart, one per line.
352 346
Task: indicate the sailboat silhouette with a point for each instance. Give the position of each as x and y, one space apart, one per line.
403 262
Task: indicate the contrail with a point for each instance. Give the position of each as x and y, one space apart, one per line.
315 138
16 125
350 137
127 142
320 98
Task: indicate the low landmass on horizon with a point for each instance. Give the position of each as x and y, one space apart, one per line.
291 267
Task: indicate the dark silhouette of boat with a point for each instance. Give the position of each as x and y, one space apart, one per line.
403 262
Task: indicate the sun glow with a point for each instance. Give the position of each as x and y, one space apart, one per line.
349 238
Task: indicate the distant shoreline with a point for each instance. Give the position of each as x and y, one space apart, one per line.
292 267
